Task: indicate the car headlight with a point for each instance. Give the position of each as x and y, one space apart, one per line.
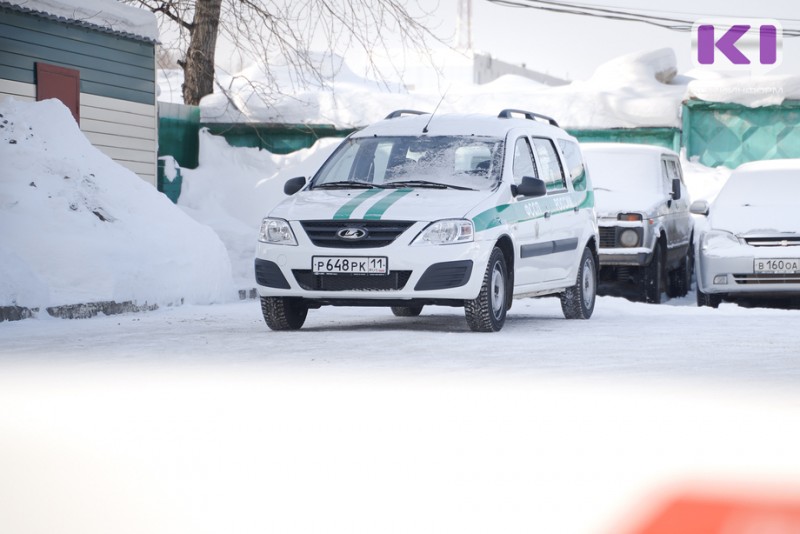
446 232
629 237
276 232
718 239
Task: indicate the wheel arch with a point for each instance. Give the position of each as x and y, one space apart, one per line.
506 246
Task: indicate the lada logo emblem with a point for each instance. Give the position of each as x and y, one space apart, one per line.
352 233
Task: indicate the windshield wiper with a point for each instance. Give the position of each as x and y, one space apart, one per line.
425 183
347 184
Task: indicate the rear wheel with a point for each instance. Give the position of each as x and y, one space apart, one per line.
577 302
406 311
283 313
487 313
653 276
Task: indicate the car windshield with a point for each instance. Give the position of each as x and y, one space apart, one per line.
459 162
763 189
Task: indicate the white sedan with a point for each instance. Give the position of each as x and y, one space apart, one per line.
751 248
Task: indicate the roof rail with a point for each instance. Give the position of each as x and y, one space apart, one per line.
506 114
401 112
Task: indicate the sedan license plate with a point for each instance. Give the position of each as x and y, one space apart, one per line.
776 266
350 265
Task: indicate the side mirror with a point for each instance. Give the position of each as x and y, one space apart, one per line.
293 185
699 207
676 188
529 187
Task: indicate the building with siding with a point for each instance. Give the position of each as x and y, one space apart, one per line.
96 56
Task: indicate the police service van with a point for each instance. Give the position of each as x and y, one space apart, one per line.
449 210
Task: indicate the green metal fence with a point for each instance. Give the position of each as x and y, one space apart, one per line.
732 134
716 133
665 137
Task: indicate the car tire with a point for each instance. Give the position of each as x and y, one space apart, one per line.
653 276
577 302
406 311
680 280
487 313
283 313
710 300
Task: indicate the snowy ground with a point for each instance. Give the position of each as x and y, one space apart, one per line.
199 419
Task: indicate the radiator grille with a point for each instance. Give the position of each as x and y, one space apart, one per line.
793 241
767 278
379 233
309 281
608 237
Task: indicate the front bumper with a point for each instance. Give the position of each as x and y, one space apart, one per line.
733 273
420 272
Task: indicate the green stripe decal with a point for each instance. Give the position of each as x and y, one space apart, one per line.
348 209
380 207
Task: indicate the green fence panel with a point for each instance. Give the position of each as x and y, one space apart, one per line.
178 126
665 137
277 138
731 134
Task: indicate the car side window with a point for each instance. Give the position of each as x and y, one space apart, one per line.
552 173
666 176
576 168
523 160
673 170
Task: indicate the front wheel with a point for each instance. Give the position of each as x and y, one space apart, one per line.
708 299
283 313
487 313
577 302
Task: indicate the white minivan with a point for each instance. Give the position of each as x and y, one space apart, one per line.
449 210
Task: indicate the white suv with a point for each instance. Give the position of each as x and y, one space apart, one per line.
450 210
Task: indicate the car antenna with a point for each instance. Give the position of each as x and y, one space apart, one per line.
425 129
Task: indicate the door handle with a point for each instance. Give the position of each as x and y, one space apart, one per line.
547 215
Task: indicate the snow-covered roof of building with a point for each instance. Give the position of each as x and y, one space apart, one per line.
105 15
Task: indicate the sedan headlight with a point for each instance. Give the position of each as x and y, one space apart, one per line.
718 239
276 232
446 232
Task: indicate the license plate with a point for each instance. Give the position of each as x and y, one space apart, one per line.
350 265
776 266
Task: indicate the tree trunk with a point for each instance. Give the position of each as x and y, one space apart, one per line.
198 69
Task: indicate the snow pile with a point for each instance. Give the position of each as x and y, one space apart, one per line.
232 189
631 91
108 14
78 227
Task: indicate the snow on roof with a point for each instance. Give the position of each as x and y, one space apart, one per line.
107 15
636 90
624 148
770 165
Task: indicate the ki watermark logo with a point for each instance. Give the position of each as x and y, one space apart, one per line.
754 45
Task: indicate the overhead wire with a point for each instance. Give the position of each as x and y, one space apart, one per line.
608 13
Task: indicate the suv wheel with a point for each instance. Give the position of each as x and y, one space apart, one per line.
577 302
283 313
653 276
680 280
406 311
487 313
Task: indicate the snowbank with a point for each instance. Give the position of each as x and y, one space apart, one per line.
232 189
78 227
109 14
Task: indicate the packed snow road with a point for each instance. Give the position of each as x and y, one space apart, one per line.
201 420
676 340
